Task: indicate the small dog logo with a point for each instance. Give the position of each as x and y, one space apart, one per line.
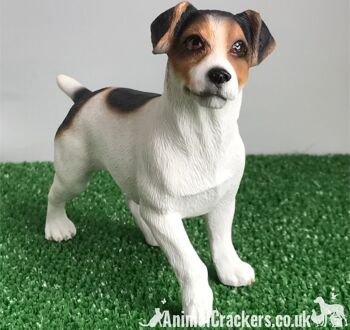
334 311
156 318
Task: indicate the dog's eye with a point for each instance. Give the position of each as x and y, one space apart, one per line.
239 48
194 43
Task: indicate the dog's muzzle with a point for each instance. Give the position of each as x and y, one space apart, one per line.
219 76
206 94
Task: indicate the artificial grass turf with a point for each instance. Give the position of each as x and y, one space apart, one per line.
292 224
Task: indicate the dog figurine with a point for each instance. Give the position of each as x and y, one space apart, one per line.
175 155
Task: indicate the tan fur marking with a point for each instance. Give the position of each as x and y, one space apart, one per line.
240 64
167 37
256 25
183 60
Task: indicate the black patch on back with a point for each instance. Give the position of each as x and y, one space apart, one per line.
81 93
82 97
126 100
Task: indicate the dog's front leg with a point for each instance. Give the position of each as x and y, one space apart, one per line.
192 274
230 268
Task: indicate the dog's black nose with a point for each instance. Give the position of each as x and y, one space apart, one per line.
218 76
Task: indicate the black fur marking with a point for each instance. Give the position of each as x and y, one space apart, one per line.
162 23
190 10
81 93
259 37
82 98
265 39
194 15
125 100
243 20
187 20
249 28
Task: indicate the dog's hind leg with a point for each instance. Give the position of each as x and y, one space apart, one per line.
135 210
71 177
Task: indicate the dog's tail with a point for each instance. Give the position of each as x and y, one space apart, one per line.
72 88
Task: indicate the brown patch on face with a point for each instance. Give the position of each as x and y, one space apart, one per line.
182 59
218 34
240 65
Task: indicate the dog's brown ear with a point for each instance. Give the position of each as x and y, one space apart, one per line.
257 34
164 27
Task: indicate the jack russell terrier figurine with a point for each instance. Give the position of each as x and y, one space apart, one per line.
175 155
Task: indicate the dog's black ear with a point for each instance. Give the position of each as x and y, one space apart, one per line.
257 34
164 27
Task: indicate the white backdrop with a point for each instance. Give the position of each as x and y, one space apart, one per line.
296 101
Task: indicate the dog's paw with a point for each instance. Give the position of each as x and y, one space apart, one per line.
197 303
59 230
150 240
236 273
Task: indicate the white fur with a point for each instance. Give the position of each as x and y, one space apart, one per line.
217 58
68 85
173 159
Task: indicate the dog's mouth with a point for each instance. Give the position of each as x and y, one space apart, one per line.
205 94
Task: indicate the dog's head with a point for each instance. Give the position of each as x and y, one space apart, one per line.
318 300
211 51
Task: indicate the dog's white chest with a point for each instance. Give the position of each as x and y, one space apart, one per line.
201 191
203 202
191 181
